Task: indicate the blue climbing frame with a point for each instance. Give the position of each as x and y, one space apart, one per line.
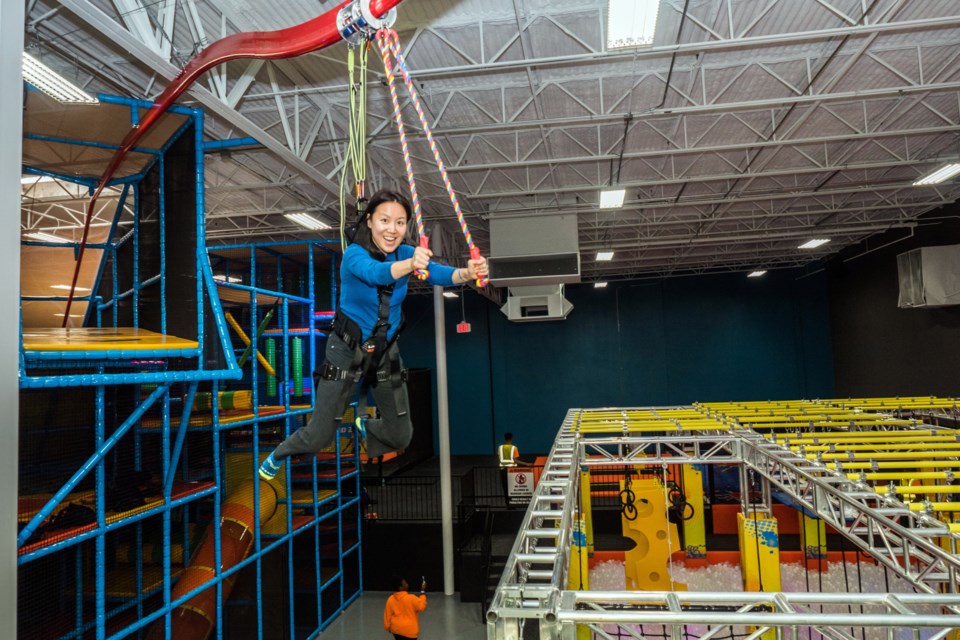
103 424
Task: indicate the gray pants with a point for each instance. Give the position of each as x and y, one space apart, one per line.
390 432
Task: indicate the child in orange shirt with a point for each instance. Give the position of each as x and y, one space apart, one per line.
401 614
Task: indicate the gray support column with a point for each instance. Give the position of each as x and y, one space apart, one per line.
443 419
11 114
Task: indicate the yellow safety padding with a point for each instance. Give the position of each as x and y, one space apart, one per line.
888 455
900 475
759 552
656 539
893 464
694 529
101 339
920 488
587 508
937 507
911 435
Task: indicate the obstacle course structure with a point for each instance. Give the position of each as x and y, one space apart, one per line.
914 539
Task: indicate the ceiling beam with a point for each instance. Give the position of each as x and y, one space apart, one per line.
123 38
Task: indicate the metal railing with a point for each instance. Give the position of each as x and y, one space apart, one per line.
417 497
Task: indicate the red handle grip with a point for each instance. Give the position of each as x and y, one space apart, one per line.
475 255
423 274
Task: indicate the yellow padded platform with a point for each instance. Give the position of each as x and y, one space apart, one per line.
101 339
225 416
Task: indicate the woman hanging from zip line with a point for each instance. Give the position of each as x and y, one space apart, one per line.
363 343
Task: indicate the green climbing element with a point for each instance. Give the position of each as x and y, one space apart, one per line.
263 325
271 347
297 348
240 399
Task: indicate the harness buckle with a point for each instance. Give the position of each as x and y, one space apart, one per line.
330 372
385 376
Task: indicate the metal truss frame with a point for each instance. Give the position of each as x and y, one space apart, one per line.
532 589
718 178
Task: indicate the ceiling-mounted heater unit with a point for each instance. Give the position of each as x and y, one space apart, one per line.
532 304
929 277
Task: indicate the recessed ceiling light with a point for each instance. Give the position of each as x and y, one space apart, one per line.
612 198
757 273
631 23
52 83
46 237
813 244
605 255
66 287
306 220
599 285
940 175
450 294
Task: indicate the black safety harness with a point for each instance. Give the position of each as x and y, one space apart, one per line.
373 351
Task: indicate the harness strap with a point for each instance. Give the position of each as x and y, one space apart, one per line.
375 347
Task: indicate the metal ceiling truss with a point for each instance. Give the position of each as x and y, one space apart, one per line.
744 119
532 589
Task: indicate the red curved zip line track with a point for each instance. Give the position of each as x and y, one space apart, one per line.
315 34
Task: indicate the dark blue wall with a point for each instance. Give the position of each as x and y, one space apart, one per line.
880 349
640 343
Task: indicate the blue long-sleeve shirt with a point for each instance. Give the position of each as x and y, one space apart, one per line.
361 274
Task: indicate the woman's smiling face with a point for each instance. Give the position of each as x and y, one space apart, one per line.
388 226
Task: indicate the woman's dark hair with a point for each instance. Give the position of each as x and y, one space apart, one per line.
362 235
397 582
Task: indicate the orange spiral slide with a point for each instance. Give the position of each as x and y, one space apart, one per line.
196 618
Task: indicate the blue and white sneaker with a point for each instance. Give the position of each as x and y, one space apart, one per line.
270 467
359 420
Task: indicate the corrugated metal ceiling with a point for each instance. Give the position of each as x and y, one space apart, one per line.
748 126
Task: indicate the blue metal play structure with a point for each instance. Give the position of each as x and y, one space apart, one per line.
141 514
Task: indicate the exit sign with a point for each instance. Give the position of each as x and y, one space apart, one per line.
463 327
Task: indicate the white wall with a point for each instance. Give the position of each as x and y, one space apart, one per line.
11 114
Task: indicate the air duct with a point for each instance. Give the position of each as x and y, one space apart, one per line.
530 250
929 277
533 304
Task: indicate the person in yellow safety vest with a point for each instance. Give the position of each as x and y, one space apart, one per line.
508 456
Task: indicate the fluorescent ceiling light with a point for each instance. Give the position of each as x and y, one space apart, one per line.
232 279
757 273
813 244
631 23
605 255
52 83
612 199
46 237
450 294
72 315
66 287
940 175
306 220
599 285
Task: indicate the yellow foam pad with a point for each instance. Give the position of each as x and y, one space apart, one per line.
101 339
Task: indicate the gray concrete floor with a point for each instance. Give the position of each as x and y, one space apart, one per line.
444 618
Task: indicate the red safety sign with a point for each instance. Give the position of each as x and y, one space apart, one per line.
463 327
